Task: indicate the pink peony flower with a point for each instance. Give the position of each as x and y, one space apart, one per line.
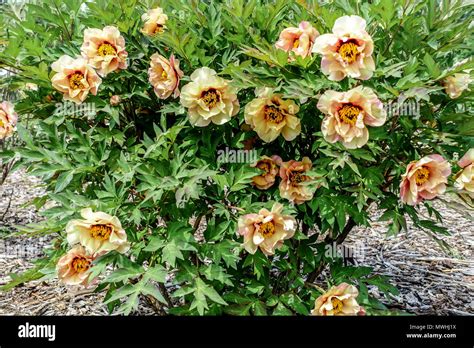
266 230
73 268
104 49
348 113
298 40
8 119
75 79
339 300
347 51
270 169
294 184
456 84
155 20
164 76
424 179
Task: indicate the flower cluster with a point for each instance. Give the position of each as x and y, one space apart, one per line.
96 234
295 185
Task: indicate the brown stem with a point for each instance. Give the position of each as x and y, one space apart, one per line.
340 238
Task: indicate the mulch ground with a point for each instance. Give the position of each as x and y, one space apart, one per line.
430 280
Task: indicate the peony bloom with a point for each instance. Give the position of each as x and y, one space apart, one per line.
164 76
270 169
270 115
424 179
75 79
8 119
298 40
209 98
266 230
115 100
456 84
98 233
294 184
339 300
348 113
104 49
73 267
155 21
347 51
465 178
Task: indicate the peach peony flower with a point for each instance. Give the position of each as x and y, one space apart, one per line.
465 178
75 78
424 179
266 230
73 267
270 115
347 51
348 113
104 49
155 21
98 233
164 76
115 100
270 169
339 300
8 119
298 40
456 84
294 184
209 98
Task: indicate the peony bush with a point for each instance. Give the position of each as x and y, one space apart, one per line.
338 108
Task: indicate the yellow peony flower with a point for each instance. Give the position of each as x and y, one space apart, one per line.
8 119
339 300
298 40
424 179
294 184
155 20
104 49
266 230
73 268
456 84
347 51
98 232
75 79
209 98
269 166
348 114
465 178
164 76
269 115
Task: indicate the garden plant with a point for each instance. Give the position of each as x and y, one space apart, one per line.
209 157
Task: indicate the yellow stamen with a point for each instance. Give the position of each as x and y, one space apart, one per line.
266 166
337 305
296 43
267 229
1 123
75 80
273 114
422 175
348 114
297 177
210 98
164 75
100 232
106 49
80 264
348 52
159 29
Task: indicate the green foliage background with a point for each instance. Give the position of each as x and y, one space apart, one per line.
144 163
